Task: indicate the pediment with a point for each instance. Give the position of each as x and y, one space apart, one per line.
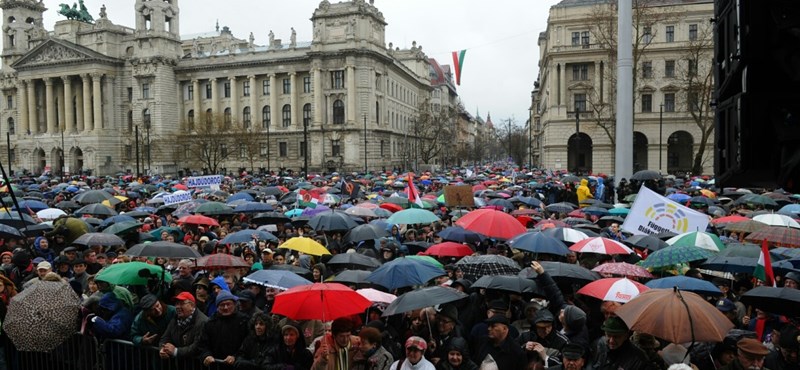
580 86
647 89
59 52
670 88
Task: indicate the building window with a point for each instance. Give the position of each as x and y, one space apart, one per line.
302 148
223 150
242 152
282 149
227 117
382 148
647 69
10 101
670 34
287 86
145 91
246 117
266 118
647 35
576 38
130 120
189 92
693 101
693 32
336 148
337 79
691 67
585 39
647 103
669 68
377 113
130 94
209 117
227 90
190 118
128 151
263 150
265 87
245 88
669 102
11 128
287 115
306 84
307 115
208 90
338 112
146 117
580 72
580 102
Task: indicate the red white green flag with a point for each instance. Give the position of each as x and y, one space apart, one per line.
458 62
763 269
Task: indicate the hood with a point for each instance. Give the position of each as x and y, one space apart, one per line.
599 181
574 318
109 302
220 282
458 344
584 182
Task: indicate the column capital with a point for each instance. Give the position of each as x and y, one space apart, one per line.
195 81
48 81
272 75
232 78
85 76
292 74
212 79
66 79
96 75
251 77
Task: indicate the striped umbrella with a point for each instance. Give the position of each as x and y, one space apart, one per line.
700 239
600 245
776 235
674 255
623 269
613 289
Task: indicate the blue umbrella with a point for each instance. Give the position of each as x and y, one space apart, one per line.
294 212
145 209
404 272
679 197
792 209
116 219
687 283
785 267
536 242
461 235
253 207
241 195
33 205
279 279
244 236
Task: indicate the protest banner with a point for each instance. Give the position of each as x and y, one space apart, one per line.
652 214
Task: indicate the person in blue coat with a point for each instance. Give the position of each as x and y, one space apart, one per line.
217 285
114 319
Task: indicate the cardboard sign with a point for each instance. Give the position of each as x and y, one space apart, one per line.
458 196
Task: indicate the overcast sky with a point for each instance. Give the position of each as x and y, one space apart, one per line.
500 37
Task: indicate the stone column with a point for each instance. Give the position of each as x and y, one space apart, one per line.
198 115
255 111
234 101
293 100
79 112
350 77
50 106
68 113
88 124
33 121
214 99
273 101
22 107
58 96
319 106
97 101
562 86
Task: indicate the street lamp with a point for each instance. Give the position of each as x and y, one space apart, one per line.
62 156
136 133
660 135
365 143
305 143
268 149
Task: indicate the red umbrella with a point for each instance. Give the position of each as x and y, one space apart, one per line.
391 207
613 289
198 220
221 261
729 219
319 301
624 269
180 187
478 187
576 213
494 224
780 236
524 212
449 249
555 223
600 245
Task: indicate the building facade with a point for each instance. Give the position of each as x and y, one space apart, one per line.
574 98
101 95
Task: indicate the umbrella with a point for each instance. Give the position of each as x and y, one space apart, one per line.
116 219
566 234
162 249
600 245
304 272
623 269
646 175
674 255
247 235
10 232
646 242
319 301
68 205
613 289
699 239
198 220
460 235
172 230
685 283
95 209
560 271
749 226
676 316
491 223
513 284
780 301
360 212
270 218
31 205
214 209
42 316
426 259
776 235
305 245
412 216
253 207
737 258
221 261
104 239
122 228
775 219
276 279
92 196
449 249
376 296
364 232
425 297
404 272
490 264
353 261
537 242
132 273
352 276
332 221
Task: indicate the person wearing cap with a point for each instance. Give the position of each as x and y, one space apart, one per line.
151 322
457 356
499 344
750 354
791 280
246 303
339 350
79 273
573 357
787 345
415 349
480 329
200 291
542 338
447 328
223 333
728 309
42 268
615 351
290 351
373 355
184 330
112 320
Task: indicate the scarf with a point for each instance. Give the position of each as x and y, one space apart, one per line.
184 323
343 358
760 326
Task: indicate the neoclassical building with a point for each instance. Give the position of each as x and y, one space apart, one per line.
673 52
83 90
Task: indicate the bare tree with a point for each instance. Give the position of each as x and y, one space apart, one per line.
247 143
431 129
209 144
514 141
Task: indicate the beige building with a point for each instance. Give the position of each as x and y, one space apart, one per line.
99 83
673 87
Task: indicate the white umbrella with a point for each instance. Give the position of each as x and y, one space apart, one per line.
776 219
50 213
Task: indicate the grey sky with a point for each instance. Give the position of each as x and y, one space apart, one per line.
500 36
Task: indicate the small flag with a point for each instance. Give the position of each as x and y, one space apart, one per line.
763 269
307 200
458 61
413 194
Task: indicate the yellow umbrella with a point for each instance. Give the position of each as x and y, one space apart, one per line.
305 245
112 203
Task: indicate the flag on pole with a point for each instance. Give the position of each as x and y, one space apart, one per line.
413 194
763 269
458 62
307 199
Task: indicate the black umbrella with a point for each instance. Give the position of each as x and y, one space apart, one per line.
37 230
332 221
566 272
646 175
512 284
355 277
365 232
68 205
421 298
8 232
780 301
96 209
529 201
270 218
506 204
461 235
306 273
353 261
416 247
92 196
104 239
162 249
13 220
562 207
490 264
646 242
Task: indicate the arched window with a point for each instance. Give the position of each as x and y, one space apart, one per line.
190 119
338 112
130 121
11 128
287 115
146 117
209 117
266 117
227 114
307 115
246 117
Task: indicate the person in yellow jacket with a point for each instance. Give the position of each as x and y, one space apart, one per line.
584 192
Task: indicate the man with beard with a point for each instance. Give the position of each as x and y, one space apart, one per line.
151 322
749 355
181 337
615 350
223 333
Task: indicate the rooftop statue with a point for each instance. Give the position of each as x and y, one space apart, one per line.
81 14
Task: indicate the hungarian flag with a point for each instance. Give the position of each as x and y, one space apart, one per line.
413 194
307 199
458 62
763 269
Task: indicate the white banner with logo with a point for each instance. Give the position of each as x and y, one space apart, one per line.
652 214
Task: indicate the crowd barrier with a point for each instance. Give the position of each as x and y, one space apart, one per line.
83 352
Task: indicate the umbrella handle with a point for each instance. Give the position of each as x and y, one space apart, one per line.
691 322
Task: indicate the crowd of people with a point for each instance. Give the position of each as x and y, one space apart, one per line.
215 316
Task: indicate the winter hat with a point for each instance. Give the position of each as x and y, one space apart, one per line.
574 318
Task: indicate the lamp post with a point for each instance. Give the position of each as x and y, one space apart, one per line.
136 133
8 147
147 130
268 149
660 134
365 143
62 156
305 150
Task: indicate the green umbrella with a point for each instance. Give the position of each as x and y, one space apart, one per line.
700 239
427 259
122 228
412 216
130 273
172 230
630 198
619 211
213 209
676 254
